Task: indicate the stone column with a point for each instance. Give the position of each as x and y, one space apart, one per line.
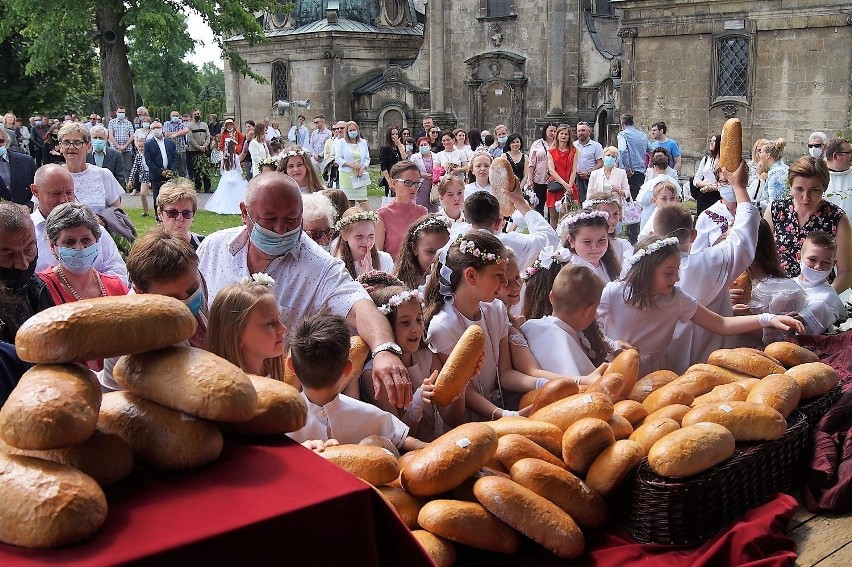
628 77
436 55
556 57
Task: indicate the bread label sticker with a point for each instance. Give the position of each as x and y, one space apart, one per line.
186 417
388 452
647 388
585 487
587 399
464 442
726 408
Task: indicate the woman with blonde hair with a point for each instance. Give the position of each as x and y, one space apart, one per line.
353 156
609 178
757 174
176 205
771 157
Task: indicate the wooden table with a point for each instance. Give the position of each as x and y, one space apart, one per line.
822 540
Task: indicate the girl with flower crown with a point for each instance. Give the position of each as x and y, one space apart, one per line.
404 311
478 176
586 235
609 203
644 308
419 247
357 243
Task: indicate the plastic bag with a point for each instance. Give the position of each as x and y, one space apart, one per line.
778 296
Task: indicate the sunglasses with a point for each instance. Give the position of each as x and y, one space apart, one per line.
173 213
814 145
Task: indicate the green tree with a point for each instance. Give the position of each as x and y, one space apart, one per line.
212 82
57 27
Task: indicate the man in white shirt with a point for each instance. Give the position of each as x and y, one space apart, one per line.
307 279
317 141
838 154
53 186
299 134
590 158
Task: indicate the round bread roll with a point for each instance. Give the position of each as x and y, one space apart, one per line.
743 282
626 363
47 504
614 465
460 366
630 410
537 518
373 465
448 460
745 361
105 457
468 523
190 380
513 447
666 396
778 391
439 550
649 433
674 411
406 506
52 407
542 433
503 181
159 436
725 376
790 354
563 413
699 382
585 505
723 393
747 421
691 450
280 409
621 428
381 442
815 378
610 384
649 383
731 145
104 327
553 391
583 442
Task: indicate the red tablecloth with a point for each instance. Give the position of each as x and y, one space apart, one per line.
280 503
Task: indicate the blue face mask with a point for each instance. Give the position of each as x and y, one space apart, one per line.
79 261
352 134
38 122
502 139
175 119
195 301
608 161
120 115
99 145
146 125
272 243
424 149
2 151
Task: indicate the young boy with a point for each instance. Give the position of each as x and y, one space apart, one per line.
663 194
319 356
817 258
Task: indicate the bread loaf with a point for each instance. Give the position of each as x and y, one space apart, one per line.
748 383
621 428
440 551
626 363
731 145
725 376
745 361
759 352
513 447
565 412
778 391
612 467
53 406
553 391
691 450
359 352
610 384
699 382
583 441
373 465
406 506
666 396
104 327
460 366
815 378
190 380
649 383
649 433
159 436
381 442
502 178
468 523
537 518
464 491
542 433
290 377
528 399
448 460
747 421
630 410
280 409
743 282
585 505
674 411
723 393
47 504
105 457
790 354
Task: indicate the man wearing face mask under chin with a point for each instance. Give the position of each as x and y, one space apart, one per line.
25 294
307 278
160 155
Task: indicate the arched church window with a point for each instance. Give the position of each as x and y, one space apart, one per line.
279 80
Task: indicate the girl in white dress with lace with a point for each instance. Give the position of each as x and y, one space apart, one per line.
232 185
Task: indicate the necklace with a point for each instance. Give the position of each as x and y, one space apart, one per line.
74 291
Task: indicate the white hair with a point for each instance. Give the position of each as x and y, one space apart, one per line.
96 129
315 206
821 135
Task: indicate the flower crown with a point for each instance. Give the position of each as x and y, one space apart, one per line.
481 151
590 215
259 278
268 161
378 277
545 260
357 217
589 203
398 299
468 247
293 152
438 220
650 249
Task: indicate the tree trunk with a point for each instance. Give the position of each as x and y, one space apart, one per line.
115 68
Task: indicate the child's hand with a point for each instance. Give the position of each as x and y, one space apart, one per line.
741 309
786 323
599 371
428 387
624 346
736 295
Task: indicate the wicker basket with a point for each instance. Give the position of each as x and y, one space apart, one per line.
688 511
815 408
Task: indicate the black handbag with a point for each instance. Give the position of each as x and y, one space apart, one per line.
554 187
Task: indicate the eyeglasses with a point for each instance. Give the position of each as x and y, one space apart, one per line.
76 143
173 213
319 233
847 152
814 145
336 128
434 131
408 183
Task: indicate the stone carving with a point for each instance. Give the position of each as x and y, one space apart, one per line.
393 74
496 35
730 110
615 68
627 34
495 69
849 19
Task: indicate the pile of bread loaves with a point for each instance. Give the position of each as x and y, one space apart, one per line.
548 476
61 440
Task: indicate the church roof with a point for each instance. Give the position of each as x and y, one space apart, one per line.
342 25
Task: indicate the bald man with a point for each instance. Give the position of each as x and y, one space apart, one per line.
53 186
307 279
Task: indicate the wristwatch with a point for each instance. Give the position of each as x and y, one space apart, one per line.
391 346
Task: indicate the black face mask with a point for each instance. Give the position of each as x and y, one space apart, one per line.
16 280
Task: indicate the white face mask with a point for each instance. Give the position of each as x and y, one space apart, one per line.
815 152
813 276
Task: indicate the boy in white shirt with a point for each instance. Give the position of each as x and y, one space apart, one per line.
817 258
319 356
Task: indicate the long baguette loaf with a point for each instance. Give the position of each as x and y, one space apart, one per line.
691 450
815 378
745 361
653 381
553 391
631 410
513 447
700 382
542 433
726 376
460 366
439 550
374 465
280 409
190 380
583 442
743 282
723 393
104 327
564 412
674 411
612 467
731 150
52 407
747 421
649 433
668 395
468 523
790 354
778 391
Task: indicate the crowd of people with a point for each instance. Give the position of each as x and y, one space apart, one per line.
556 296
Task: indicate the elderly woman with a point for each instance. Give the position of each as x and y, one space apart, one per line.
609 178
295 162
177 204
353 156
94 186
794 218
318 218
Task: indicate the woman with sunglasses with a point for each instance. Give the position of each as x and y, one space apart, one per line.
397 216
295 162
232 185
176 207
